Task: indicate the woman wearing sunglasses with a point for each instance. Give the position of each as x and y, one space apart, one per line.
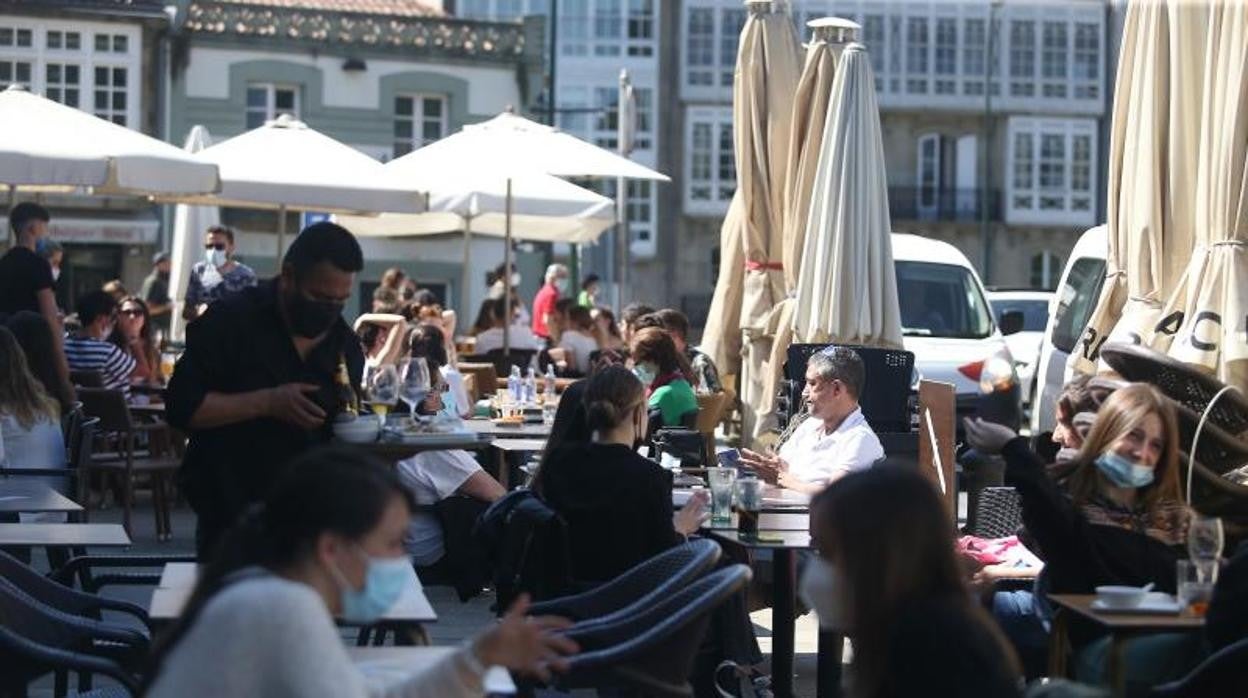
133 335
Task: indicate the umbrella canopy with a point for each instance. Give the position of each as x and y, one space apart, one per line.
847 289
1154 135
44 143
810 111
1214 301
512 142
189 224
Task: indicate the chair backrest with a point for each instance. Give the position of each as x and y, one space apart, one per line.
465 561
889 375
503 361
1224 673
484 373
43 589
109 406
526 544
998 514
710 410
87 379
652 650
71 421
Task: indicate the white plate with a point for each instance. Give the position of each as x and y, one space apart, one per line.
1155 602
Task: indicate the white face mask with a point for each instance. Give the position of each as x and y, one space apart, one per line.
56 273
216 258
515 278
824 589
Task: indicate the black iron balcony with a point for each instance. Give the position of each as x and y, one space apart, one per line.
925 204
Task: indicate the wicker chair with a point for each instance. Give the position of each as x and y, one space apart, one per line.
999 513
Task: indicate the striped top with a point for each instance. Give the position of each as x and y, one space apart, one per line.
88 354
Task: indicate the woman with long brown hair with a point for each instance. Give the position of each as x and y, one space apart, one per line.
666 374
30 427
133 335
887 578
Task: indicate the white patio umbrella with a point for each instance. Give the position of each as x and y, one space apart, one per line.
189 224
847 288
1214 301
47 144
287 166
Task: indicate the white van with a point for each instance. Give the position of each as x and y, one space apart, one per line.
948 325
1073 304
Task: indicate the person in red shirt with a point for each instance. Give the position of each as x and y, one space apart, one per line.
544 302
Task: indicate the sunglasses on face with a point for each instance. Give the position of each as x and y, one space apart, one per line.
132 312
220 246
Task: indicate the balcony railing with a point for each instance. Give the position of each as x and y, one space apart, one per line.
923 204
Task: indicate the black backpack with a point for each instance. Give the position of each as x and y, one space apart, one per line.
525 543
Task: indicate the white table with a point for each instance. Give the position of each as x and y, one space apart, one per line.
64 535
390 664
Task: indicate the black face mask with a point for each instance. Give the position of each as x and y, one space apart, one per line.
309 318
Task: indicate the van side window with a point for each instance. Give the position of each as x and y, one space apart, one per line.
1076 300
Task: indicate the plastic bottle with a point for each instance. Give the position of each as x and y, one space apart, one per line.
514 387
530 387
549 382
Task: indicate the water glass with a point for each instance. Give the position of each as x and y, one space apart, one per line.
549 409
1195 585
723 485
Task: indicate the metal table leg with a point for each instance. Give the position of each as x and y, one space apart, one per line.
831 650
783 610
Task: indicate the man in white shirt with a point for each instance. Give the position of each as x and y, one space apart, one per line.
835 439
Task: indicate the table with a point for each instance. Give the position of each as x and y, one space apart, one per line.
395 663
521 431
561 384
64 535
177 579
1121 626
784 543
395 450
35 497
519 445
156 410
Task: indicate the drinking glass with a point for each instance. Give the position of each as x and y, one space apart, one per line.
415 386
723 484
749 504
1195 586
1205 537
549 409
381 384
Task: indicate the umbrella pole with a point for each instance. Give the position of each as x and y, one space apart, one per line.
12 236
465 274
507 274
281 236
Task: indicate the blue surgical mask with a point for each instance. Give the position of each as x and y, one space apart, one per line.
644 373
216 258
1124 472
562 285
384 581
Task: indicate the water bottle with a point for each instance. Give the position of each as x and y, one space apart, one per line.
549 382
530 387
514 388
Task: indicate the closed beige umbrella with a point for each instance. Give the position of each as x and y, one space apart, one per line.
1214 302
1153 137
847 288
810 111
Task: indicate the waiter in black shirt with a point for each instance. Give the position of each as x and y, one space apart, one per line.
255 386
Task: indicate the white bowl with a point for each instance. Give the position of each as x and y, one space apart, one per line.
1120 596
358 431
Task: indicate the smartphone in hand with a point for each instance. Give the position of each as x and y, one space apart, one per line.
730 458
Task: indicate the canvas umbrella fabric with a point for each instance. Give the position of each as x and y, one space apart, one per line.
750 280
847 288
47 144
189 224
1154 134
810 110
1213 300
287 166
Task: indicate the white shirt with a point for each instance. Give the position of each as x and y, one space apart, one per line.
581 345
815 456
521 338
432 476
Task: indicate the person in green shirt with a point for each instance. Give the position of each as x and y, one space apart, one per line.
666 374
588 297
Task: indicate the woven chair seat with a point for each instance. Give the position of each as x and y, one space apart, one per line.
1180 382
999 513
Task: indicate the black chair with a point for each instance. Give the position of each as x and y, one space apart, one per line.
652 651
526 544
640 587
39 623
1224 673
889 375
997 514
16 650
503 361
84 568
61 597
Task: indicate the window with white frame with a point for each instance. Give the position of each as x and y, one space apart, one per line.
916 55
731 22
85 65
700 47
1054 57
974 50
1087 60
710 169
711 31
265 101
641 28
1051 162
574 27
418 121
608 27
1022 58
946 62
640 210
873 38
1046 268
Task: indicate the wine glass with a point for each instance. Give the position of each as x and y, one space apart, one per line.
415 385
381 384
1205 539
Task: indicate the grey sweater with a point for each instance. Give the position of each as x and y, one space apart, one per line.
268 636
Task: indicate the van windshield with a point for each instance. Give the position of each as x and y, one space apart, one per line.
941 300
1076 300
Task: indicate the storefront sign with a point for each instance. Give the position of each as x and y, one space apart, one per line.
96 230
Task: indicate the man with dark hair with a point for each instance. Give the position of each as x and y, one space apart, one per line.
704 370
155 292
88 349
835 439
218 276
629 317
256 385
26 283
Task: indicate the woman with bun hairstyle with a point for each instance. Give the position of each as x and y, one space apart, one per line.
617 504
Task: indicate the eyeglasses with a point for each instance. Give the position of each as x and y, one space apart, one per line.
219 246
132 312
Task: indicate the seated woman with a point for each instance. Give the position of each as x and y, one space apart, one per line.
133 335
520 335
1120 519
35 338
382 335
432 476
327 542
665 373
30 424
887 578
617 504
578 339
